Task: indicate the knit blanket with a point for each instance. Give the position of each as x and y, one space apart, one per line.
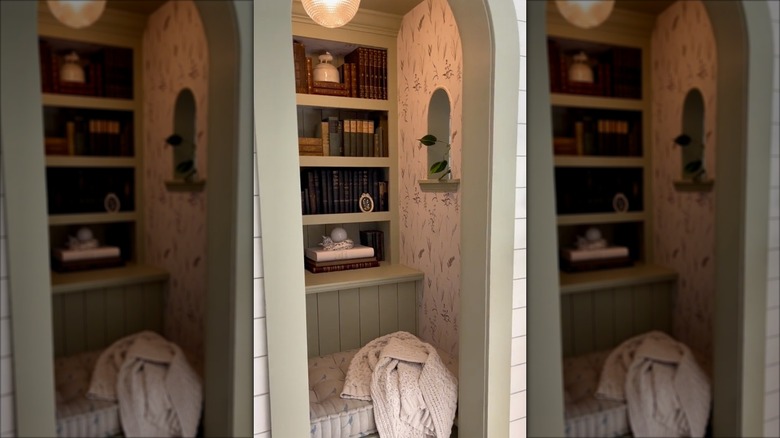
158 393
413 393
667 393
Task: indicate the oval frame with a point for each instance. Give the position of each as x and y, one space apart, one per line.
366 203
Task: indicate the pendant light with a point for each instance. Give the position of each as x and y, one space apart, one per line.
331 13
77 13
586 14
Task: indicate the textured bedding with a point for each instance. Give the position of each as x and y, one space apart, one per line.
78 416
585 415
334 417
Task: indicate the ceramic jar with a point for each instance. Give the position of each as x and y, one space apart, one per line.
580 71
325 71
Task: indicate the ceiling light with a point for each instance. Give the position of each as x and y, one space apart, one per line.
77 13
585 13
331 13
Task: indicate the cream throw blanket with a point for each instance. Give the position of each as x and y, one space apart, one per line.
159 394
667 393
413 393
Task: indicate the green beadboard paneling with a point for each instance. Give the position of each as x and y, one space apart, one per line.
328 316
566 337
312 326
349 319
73 311
388 308
603 320
407 306
643 309
134 308
369 314
582 323
95 319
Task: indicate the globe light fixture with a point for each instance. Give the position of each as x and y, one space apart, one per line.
77 13
586 14
331 13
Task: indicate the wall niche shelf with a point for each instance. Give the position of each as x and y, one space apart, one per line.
185 186
694 186
435 185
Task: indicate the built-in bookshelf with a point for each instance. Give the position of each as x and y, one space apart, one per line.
347 145
601 126
91 131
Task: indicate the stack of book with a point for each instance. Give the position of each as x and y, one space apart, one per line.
574 259
67 260
319 259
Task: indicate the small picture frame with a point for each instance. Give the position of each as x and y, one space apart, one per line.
620 203
111 203
366 203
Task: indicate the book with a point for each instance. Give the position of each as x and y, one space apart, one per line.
590 265
339 262
331 85
575 255
374 239
330 91
341 267
320 254
101 252
81 265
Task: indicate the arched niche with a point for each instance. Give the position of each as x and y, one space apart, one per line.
182 142
691 144
439 118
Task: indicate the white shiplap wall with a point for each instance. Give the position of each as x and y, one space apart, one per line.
517 401
6 352
772 385
262 402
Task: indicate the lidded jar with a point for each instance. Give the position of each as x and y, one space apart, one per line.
325 71
71 70
580 71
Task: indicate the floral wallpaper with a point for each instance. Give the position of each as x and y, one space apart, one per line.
430 57
684 57
176 57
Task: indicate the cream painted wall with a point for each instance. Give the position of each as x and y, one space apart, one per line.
7 413
430 57
176 57
684 56
261 392
772 387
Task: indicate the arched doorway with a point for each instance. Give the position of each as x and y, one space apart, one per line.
228 403
744 58
490 126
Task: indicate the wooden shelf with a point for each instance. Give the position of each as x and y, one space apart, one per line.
386 273
83 161
87 102
344 103
92 218
614 278
598 102
346 218
601 218
441 186
104 278
307 161
594 161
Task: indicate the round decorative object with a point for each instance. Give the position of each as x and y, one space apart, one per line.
77 14
338 234
620 203
585 14
331 13
593 234
84 234
71 70
366 203
580 71
111 203
325 71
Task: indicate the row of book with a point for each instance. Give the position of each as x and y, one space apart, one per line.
92 137
108 72
607 137
319 260
338 190
347 138
594 190
363 74
617 72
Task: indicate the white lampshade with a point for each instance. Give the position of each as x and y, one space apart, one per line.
77 13
331 13
585 13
